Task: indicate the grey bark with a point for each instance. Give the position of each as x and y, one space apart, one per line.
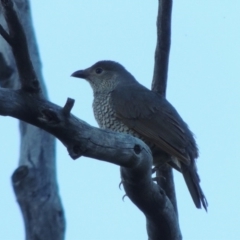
81 139
159 84
34 181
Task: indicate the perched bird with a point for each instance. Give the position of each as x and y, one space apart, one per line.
124 105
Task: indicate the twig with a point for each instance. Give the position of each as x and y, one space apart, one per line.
5 35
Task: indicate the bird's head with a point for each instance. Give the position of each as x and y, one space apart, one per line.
104 76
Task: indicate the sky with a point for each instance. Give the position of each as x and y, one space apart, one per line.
203 85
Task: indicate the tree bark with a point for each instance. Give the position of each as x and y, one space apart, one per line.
159 84
34 181
81 139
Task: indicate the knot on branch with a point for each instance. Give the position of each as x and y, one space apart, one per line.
137 149
19 174
50 116
76 151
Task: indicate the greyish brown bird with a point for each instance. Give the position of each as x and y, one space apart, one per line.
124 105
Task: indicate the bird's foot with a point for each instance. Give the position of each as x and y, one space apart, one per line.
158 178
125 195
120 184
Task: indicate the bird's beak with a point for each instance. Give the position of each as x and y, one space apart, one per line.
80 74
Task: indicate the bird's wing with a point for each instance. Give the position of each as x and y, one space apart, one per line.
153 117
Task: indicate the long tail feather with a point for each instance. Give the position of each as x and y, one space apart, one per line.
193 183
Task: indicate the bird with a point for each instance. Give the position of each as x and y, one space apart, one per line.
122 104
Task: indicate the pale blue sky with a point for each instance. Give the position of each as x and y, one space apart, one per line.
203 85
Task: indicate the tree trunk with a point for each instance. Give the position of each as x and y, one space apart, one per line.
34 181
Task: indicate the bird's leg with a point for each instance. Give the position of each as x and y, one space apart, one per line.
154 170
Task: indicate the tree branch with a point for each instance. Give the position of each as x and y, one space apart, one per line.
34 181
5 35
5 71
81 139
159 83
17 40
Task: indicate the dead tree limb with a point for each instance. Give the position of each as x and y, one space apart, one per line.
34 181
159 84
81 139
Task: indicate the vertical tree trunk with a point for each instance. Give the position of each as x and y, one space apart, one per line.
159 84
34 181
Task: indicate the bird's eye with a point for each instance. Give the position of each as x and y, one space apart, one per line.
98 70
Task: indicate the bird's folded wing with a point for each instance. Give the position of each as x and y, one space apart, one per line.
153 117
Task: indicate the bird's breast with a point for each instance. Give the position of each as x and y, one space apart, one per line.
106 116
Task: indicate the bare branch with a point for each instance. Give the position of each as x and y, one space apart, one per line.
18 42
5 35
5 71
28 188
159 83
34 181
81 139
165 180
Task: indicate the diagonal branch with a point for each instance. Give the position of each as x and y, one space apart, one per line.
5 71
5 35
81 139
17 40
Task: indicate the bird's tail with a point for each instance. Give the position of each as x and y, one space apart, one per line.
193 183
